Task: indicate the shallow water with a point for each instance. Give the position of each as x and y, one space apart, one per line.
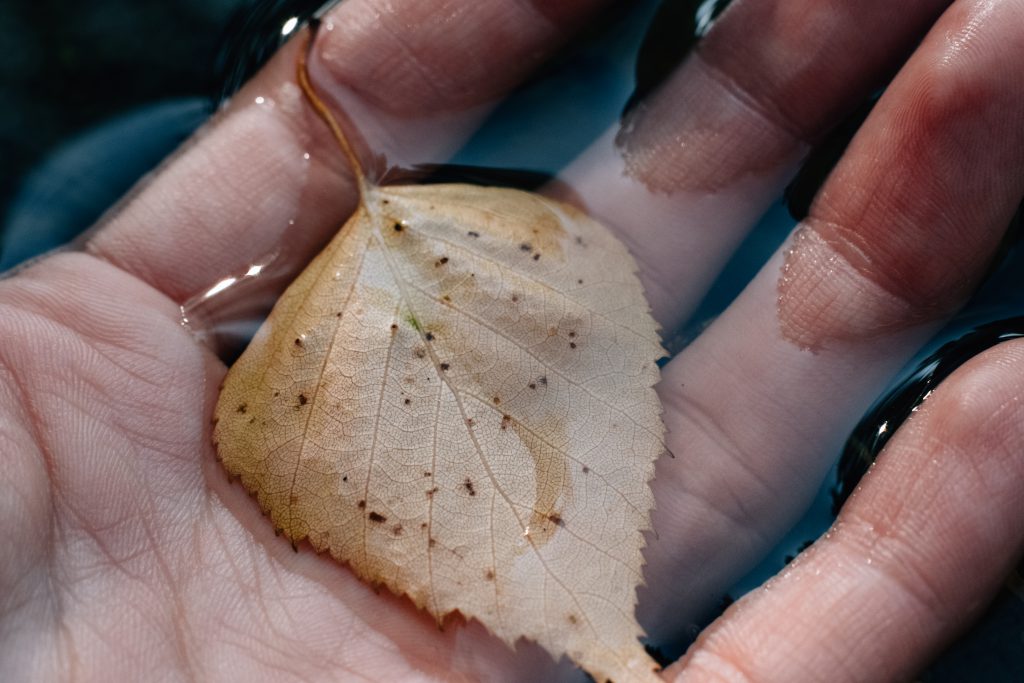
528 139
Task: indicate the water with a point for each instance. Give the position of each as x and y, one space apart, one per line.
536 133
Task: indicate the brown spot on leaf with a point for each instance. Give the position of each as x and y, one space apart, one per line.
586 470
399 227
525 246
445 366
408 401
543 380
473 233
243 407
431 492
573 619
469 486
420 352
497 400
397 530
377 517
303 400
298 342
489 575
361 505
556 518
536 257
430 336
572 345
515 298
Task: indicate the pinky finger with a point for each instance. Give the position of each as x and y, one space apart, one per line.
915 555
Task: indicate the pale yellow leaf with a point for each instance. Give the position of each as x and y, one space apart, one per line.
455 399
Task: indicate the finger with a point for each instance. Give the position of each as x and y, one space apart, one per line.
915 555
267 179
758 405
694 167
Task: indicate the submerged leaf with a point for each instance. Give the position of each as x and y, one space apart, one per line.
455 399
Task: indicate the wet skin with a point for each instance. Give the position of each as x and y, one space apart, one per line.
131 555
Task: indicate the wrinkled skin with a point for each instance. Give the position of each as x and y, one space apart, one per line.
131 557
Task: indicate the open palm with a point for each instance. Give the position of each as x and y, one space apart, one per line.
131 556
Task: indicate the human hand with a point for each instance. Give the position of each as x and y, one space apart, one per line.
139 560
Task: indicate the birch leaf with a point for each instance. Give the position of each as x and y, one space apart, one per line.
455 399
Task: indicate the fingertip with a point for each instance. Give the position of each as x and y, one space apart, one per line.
915 555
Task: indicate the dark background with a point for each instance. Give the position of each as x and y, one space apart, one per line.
69 66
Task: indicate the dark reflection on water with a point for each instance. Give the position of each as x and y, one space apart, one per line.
874 431
255 31
674 31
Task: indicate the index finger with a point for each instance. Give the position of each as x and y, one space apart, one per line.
266 180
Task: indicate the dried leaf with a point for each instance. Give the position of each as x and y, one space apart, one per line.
455 399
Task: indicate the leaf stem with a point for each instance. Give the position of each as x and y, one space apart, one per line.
302 73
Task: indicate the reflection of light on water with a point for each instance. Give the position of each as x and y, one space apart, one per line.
289 26
220 287
209 306
884 428
223 285
260 100
705 14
